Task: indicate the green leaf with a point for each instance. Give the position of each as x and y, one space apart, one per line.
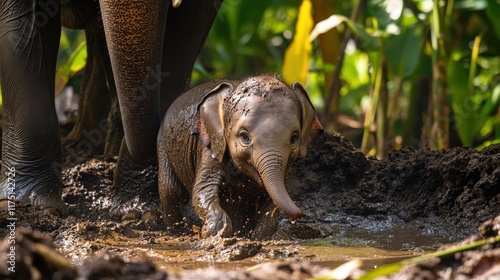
402 51
470 5
461 102
492 103
493 12
370 43
75 63
386 12
382 271
387 269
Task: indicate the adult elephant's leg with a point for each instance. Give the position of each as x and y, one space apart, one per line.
134 33
95 101
187 28
99 121
29 39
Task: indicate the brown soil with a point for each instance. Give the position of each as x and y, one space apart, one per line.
415 200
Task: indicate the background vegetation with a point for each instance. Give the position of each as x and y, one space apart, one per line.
384 73
421 73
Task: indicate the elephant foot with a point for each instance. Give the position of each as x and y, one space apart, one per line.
217 223
46 197
135 189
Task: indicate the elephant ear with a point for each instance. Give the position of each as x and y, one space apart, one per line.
310 123
208 124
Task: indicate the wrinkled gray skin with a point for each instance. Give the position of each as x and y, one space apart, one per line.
152 49
227 145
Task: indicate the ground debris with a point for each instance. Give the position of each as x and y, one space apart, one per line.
28 254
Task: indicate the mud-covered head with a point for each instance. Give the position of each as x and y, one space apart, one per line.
261 114
263 125
262 91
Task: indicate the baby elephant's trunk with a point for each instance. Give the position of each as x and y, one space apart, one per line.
272 172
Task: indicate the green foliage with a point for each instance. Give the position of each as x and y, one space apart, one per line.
69 42
460 40
74 64
402 51
247 37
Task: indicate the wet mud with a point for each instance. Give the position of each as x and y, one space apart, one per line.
378 210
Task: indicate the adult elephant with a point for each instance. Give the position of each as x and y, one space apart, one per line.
152 49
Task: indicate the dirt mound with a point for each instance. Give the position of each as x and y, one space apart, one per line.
446 192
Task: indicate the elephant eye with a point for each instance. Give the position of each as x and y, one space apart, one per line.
294 139
244 137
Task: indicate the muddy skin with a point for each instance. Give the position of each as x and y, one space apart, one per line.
226 146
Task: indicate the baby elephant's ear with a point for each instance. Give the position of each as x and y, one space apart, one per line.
209 120
310 123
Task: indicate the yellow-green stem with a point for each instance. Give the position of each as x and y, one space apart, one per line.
374 99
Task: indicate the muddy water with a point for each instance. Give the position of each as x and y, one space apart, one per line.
187 253
185 258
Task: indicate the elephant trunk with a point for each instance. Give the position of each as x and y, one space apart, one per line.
271 168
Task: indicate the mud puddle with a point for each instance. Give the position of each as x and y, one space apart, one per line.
176 256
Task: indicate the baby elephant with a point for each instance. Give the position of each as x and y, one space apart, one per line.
227 145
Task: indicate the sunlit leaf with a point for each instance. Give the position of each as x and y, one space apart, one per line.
326 25
369 42
488 143
75 63
385 11
296 63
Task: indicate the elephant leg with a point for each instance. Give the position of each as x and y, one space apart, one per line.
95 99
29 39
185 34
172 193
206 200
134 32
98 86
114 133
114 128
132 192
